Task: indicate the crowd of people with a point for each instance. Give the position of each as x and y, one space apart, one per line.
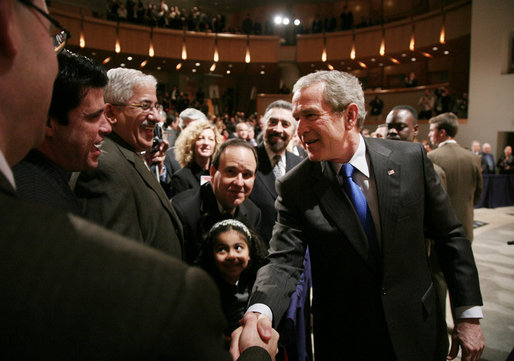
195 19
107 224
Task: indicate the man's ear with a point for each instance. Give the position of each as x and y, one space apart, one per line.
8 43
352 112
50 126
212 171
110 114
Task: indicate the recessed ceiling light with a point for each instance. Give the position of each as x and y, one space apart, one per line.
380 64
122 65
197 64
194 70
404 55
435 48
129 58
262 72
228 71
158 68
446 52
373 60
413 59
93 53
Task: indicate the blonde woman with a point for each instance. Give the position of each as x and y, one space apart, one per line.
194 149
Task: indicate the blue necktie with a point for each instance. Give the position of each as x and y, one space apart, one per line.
361 207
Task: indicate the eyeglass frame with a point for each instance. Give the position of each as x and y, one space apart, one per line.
141 106
61 38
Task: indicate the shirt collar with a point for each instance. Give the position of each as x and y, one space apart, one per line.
6 170
358 160
448 141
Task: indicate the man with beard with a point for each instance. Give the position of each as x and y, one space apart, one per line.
274 161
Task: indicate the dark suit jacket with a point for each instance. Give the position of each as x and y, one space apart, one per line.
172 166
72 290
122 195
187 178
198 211
264 192
488 164
40 180
378 309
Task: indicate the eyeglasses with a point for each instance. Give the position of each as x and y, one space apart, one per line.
145 107
61 35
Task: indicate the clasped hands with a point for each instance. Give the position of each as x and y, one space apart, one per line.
255 330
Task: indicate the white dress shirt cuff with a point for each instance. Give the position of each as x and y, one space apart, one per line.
261 308
468 312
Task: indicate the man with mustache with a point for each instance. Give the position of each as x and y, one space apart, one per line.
75 128
274 161
122 194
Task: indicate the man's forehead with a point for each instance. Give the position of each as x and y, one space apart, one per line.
238 157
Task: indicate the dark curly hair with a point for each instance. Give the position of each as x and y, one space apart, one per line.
256 248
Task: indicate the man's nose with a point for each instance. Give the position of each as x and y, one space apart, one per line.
105 126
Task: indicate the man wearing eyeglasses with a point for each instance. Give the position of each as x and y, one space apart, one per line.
71 289
122 194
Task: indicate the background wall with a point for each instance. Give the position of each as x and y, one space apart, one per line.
491 90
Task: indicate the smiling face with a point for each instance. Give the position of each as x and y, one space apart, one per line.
233 182
326 135
79 141
132 124
279 129
205 144
231 255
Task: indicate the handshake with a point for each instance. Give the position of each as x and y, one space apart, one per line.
255 330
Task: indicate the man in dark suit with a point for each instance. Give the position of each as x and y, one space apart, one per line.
225 196
274 161
71 289
74 132
122 194
487 160
371 276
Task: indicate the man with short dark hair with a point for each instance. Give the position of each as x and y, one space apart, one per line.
225 196
71 289
462 168
274 161
74 133
402 123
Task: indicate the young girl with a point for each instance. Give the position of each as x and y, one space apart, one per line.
232 255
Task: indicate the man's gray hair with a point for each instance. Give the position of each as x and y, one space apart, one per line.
190 114
122 82
340 90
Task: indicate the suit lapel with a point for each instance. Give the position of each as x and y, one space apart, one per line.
265 173
149 179
387 175
338 207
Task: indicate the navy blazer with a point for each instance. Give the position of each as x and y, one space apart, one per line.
385 310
